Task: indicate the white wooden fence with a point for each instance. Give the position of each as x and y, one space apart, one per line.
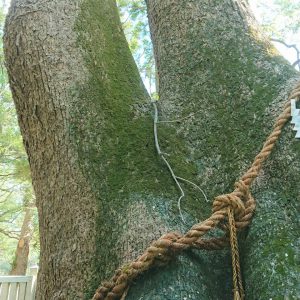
17 288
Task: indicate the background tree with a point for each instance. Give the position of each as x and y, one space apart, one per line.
16 196
20 262
102 192
135 25
280 20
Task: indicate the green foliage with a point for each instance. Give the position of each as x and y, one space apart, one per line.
135 25
288 12
280 19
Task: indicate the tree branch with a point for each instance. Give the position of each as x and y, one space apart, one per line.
294 46
10 234
297 62
5 175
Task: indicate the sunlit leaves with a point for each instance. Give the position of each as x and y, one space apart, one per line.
279 18
135 25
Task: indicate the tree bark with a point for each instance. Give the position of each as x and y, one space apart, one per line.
102 192
213 60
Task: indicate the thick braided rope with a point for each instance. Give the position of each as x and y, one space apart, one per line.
240 201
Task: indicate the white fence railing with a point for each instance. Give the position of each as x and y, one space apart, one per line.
17 288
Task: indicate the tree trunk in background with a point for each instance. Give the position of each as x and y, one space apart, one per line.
102 193
22 252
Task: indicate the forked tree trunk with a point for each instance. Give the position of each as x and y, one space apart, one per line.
102 192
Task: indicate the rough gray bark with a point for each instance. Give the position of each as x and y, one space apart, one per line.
81 109
102 193
45 66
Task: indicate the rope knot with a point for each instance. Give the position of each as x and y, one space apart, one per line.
232 200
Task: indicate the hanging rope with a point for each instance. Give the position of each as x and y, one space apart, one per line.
238 289
237 207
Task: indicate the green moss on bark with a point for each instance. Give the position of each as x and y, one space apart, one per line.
113 126
212 61
229 91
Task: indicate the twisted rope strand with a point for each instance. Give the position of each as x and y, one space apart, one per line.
238 206
236 269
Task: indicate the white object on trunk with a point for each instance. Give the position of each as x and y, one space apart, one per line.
295 113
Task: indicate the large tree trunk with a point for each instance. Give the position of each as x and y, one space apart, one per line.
213 60
102 193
